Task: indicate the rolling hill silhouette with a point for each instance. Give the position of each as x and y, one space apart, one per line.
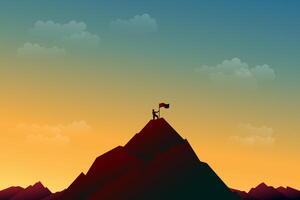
265 192
8 193
32 192
289 192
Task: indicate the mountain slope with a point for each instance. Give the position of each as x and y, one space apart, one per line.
35 192
289 192
157 163
265 192
53 196
8 193
106 168
156 137
262 191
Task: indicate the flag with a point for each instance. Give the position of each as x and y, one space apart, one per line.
164 105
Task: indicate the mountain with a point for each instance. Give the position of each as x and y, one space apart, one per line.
244 195
290 192
265 192
157 163
34 192
53 196
106 169
8 193
156 137
262 191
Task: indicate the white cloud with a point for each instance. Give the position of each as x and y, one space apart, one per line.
31 50
263 73
235 72
64 34
52 134
139 24
48 38
251 135
50 28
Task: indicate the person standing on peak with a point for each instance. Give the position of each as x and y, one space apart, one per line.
154 114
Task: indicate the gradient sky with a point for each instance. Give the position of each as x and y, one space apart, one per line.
78 78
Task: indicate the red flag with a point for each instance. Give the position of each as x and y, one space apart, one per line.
164 105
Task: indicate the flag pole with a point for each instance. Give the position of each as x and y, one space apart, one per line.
158 112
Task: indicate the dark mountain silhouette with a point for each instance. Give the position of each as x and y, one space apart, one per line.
105 169
53 196
8 193
34 192
244 195
264 192
156 137
157 163
289 192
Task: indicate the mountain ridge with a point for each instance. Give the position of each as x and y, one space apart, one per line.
36 191
156 163
265 192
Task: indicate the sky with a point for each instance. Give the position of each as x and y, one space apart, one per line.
78 78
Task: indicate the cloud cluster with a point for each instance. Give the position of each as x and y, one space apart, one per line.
66 34
235 72
49 38
52 134
31 50
251 135
139 24
55 38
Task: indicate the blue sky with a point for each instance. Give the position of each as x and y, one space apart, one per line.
231 63
258 31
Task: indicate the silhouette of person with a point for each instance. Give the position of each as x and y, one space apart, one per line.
154 114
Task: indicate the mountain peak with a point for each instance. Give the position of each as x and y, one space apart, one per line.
281 188
262 185
262 191
36 191
159 125
38 185
156 137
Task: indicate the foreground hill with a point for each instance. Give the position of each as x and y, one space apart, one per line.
157 163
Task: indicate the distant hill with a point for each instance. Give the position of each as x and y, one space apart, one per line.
32 192
8 193
265 192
